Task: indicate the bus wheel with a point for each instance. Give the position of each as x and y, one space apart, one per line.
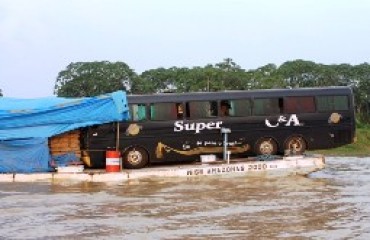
134 158
265 146
295 144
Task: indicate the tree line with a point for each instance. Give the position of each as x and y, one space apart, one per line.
94 78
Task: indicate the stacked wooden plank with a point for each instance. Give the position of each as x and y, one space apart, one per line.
67 143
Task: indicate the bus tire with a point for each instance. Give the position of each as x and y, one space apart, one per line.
298 142
134 158
265 146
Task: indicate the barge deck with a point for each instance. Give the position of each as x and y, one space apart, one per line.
289 165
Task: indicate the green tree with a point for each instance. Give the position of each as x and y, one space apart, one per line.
229 75
93 78
198 79
265 77
159 79
345 75
228 65
210 78
222 76
300 73
326 75
141 86
175 79
1 92
362 90
182 79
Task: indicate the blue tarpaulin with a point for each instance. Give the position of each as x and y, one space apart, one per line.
47 117
25 125
24 156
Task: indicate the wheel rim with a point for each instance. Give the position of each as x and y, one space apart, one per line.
266 147
297 144
134 157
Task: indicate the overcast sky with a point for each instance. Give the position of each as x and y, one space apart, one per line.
39 38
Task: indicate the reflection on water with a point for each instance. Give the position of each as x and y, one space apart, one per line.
331 204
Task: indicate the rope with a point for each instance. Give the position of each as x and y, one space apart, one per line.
266 157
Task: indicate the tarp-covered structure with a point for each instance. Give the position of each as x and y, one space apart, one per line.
26 124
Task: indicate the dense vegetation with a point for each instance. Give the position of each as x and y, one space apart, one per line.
94 78
84 79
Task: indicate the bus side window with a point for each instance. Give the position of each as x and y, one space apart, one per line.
267 106
201 109
299 105
163 111
240 108
138 112
332 103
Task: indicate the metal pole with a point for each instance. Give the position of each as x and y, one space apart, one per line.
225 131
117 137
117 146
225 146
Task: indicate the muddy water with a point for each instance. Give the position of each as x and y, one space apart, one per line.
330 204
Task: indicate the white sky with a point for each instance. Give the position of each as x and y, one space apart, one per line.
39 38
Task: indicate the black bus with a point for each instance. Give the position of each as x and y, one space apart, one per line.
180 127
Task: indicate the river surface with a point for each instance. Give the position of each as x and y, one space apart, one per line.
333 203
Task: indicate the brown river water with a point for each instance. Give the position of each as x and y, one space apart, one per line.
333 203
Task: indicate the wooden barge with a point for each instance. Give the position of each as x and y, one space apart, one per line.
280 166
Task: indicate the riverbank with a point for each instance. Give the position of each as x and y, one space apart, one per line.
360 148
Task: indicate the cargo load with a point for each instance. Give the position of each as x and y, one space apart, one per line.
31 124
